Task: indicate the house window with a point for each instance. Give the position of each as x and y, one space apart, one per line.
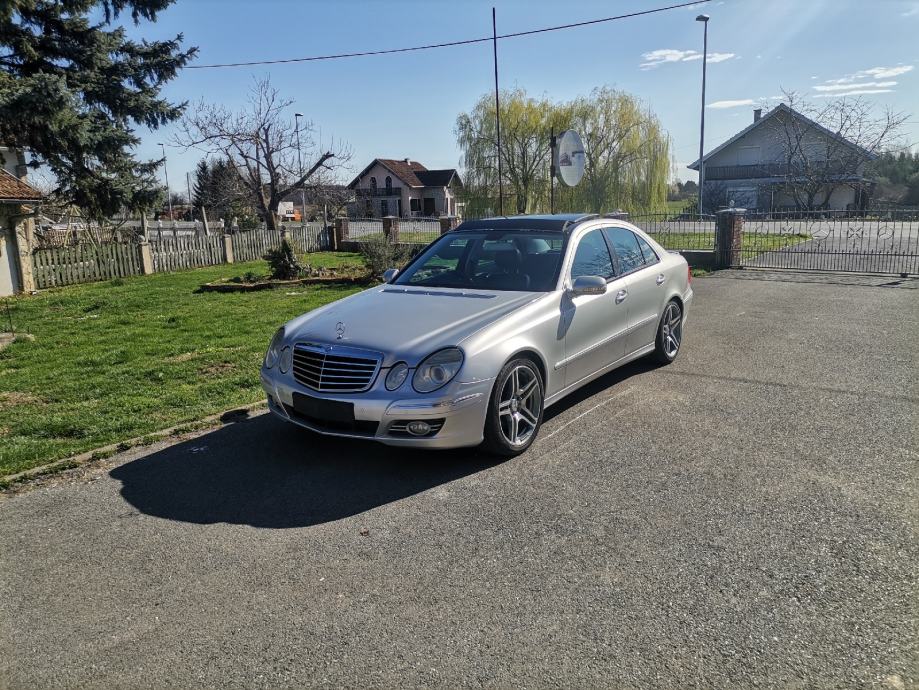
368 208
388 184
384 208
415 206
373 183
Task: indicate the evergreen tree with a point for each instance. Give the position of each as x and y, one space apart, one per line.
72 88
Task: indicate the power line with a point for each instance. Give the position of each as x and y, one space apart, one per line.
449 44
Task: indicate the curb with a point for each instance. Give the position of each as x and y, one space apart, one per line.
229 416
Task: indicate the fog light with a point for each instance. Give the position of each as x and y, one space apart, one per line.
418 428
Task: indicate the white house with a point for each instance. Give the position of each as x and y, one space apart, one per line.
782 160
405 188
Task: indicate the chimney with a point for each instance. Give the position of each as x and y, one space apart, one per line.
408 160
757 114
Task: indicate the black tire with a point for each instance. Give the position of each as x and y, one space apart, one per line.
664 351
500 419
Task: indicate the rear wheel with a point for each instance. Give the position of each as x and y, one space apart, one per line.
669 333
515 409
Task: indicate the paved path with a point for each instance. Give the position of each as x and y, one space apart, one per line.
745 516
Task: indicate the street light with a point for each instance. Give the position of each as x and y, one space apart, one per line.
297 117
704 19
166 173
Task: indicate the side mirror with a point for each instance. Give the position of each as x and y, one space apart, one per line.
389 274
588 285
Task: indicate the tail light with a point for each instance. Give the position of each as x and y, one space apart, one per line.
689 273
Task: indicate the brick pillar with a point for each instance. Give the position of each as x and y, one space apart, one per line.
339 233
391 228
728 237
228 248
447 223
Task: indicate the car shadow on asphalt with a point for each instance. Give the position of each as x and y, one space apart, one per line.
264 472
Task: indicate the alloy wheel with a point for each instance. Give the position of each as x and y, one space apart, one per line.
672 329
519 405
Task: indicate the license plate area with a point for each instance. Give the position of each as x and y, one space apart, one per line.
334 411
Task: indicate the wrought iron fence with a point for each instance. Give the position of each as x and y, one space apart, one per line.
682 231
849 241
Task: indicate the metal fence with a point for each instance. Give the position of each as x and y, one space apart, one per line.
847 241
682 231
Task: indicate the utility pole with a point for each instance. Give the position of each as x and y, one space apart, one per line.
494 40
166 173
191 206
704 19
297 117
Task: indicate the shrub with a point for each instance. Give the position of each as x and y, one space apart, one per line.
381 254
283 262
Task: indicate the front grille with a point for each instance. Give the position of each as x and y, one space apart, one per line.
334 369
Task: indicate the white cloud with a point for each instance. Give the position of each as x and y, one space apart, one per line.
731 104
667 55
857 92
912 11
873 73
849 87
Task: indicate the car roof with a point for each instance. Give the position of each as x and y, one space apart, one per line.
559 222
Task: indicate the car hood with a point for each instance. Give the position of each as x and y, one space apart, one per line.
405 323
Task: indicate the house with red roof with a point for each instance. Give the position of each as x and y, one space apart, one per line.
17 201
406 189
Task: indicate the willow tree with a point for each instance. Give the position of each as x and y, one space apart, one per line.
626 150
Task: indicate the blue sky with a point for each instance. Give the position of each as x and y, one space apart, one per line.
405 105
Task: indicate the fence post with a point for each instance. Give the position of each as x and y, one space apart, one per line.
207 230
728 237
340 233
234 225
23 239
146 257
227 248
391 229
447 223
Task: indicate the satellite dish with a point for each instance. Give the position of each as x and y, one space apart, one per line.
569 157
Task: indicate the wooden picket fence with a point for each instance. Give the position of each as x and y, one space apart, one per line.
84 263
175 254
54 267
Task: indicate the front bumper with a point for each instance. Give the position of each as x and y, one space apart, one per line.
462 406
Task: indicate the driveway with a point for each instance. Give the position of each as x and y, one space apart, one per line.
746 516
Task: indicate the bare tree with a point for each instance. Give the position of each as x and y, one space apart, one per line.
261 142
829 147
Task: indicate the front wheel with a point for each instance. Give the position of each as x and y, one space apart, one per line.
515 409
669 334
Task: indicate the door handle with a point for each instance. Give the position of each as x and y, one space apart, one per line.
621 295
661 278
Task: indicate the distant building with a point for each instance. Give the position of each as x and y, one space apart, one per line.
769 163
405 188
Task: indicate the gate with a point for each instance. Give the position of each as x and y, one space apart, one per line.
850 241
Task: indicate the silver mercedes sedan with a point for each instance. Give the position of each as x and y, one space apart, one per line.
478 334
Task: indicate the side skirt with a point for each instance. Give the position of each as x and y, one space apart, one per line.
648 349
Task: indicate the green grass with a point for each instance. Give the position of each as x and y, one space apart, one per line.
112 361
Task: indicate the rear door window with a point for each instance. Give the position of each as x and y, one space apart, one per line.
628 252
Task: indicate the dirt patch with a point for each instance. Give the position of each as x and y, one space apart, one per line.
219 368
184 357
7 338
11 399
224 286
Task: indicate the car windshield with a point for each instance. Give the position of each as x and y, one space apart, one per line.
489 260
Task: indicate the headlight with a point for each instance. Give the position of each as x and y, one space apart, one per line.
287 357
271 357
396 376
437 370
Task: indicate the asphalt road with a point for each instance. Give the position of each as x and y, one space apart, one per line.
745 517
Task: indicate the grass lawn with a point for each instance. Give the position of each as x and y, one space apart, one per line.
106 362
